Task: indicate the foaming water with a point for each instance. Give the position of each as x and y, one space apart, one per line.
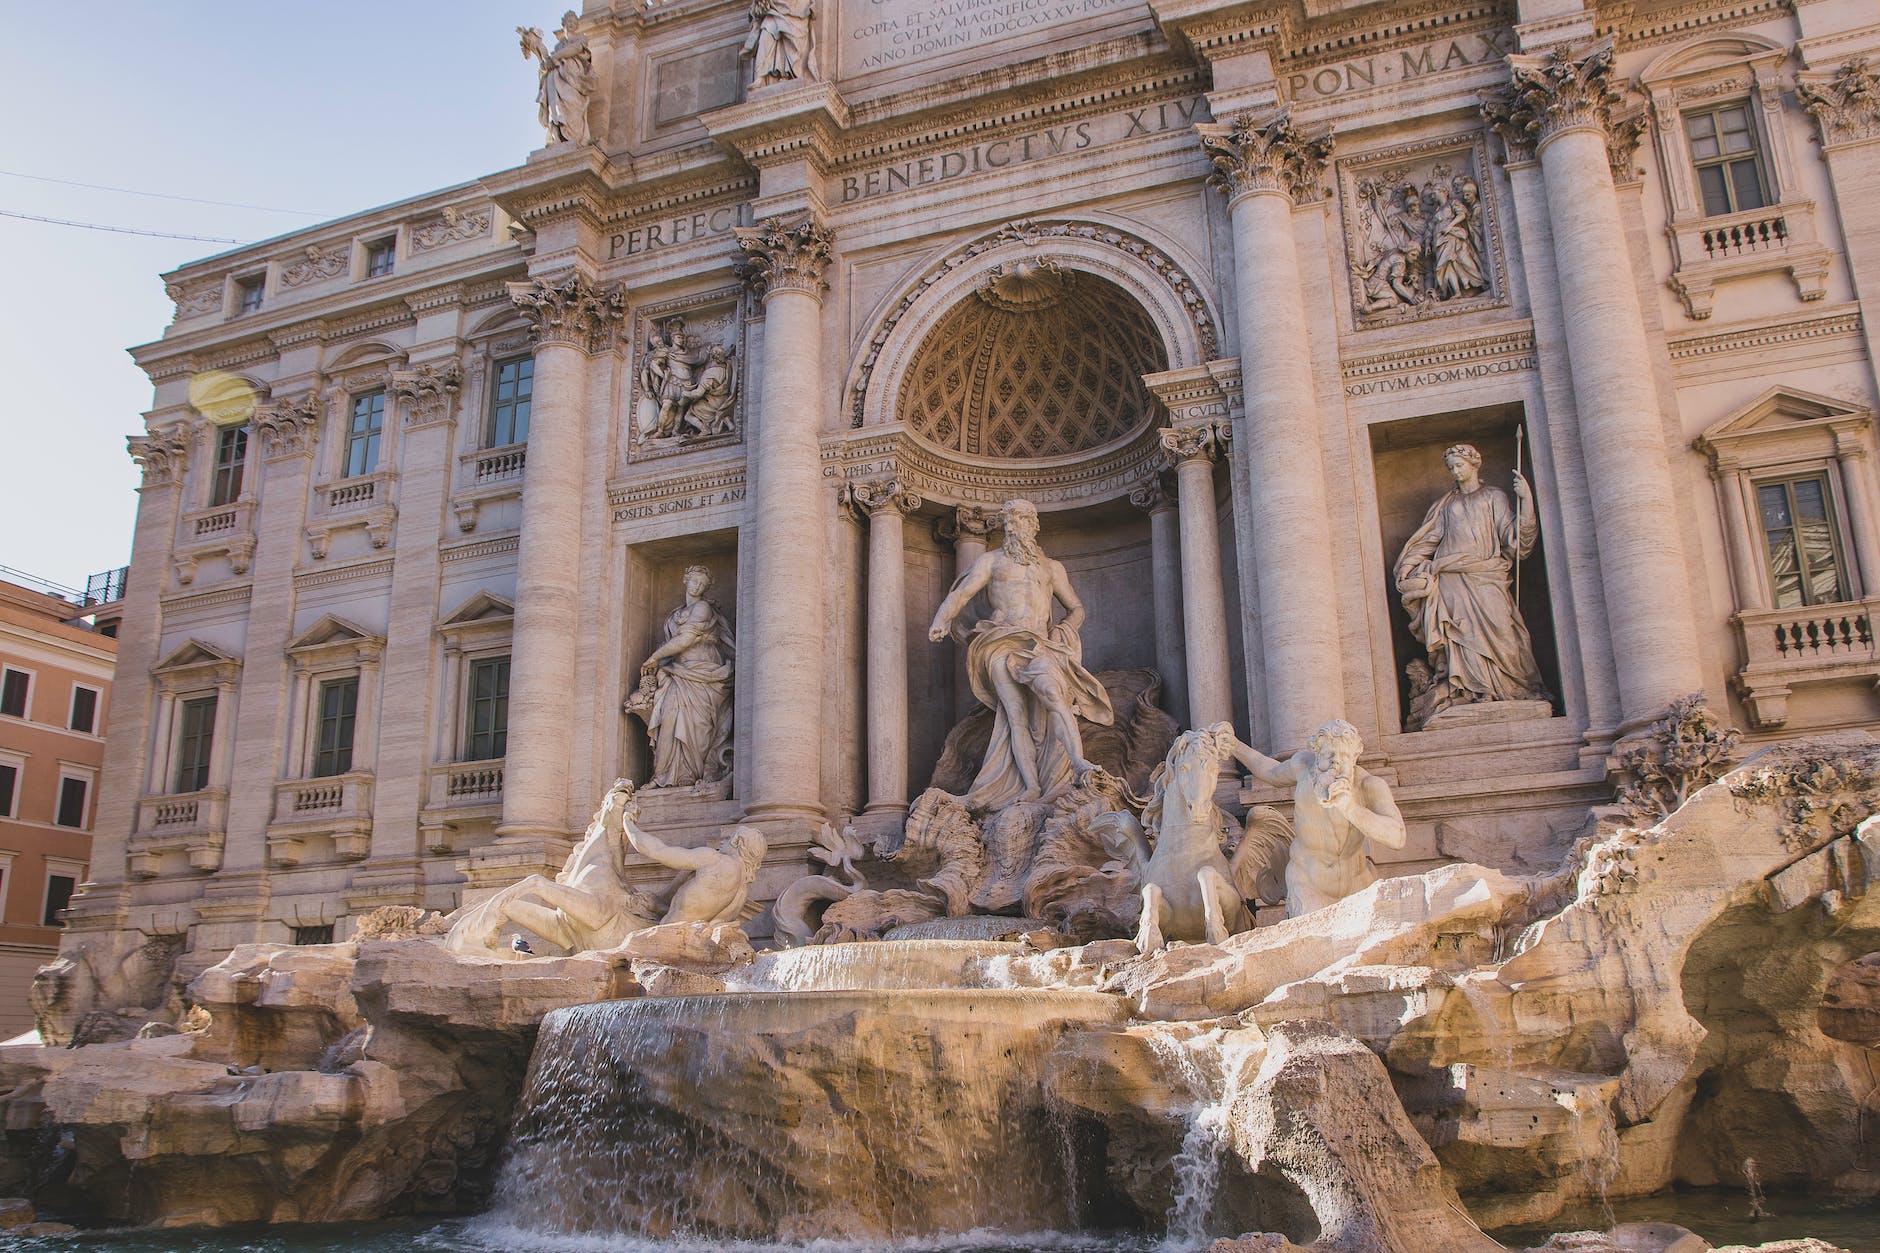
493 1235
1211 1068
795 1116
903 965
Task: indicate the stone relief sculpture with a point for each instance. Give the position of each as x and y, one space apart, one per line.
778 45
1454 575
1026 669
590 905
1418 244
1338 808
684 695
685 390
566 80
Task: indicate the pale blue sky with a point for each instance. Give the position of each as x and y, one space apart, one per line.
331 107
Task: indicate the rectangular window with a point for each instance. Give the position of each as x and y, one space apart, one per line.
339 710
489 710
231 454
73 793
314 935
1728 159
196 741
9 787
59 889
14 685
248 292
509 403
379 258
1805 566
84 709
362 435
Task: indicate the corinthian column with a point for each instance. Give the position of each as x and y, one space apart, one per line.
786 612
886 504
1266 167
1563 104
1193 450
1171 657
571 320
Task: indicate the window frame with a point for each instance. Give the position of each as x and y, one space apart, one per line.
86 779
6 881
244 286
340 753
497 404
1716 72
204 738
1757 155
1839 533
26 702
16 762
61 868
227 480
97 709
385 245
374 435
472 663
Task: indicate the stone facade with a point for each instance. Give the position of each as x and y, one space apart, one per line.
1214 285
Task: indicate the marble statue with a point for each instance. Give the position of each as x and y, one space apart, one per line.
709 400
1454 577
589 905
1338 807
716 883
1028 670
566 80
778 44
684 696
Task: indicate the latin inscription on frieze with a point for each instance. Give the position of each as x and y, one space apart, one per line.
882 34
1400 65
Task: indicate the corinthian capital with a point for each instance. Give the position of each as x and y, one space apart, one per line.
570 311
786 256
288 427
1564 90
1270 156
1847 106
1198 441
880 495
430 391
161 455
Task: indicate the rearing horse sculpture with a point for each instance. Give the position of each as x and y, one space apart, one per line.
1190 889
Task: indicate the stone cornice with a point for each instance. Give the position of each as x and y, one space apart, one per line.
801 122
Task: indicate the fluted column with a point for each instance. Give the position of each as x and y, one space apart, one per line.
571 320
1165 555
1266 167
1562 103
886 504
966 528
1192 450
787 610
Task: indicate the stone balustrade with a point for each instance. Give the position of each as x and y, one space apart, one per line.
309 811
1815 644
1708 251
461 795
496 465
193 824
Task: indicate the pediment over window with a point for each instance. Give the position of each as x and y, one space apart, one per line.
331 635
1708 54
1787 420
479 608
194 663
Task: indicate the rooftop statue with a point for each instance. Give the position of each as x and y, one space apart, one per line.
1338 808
1026 668
778 44
1454 577
684 696
566 80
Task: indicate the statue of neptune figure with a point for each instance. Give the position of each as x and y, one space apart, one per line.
1027 669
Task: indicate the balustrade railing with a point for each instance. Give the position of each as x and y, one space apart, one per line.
501 463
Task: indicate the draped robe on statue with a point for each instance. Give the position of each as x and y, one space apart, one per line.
1454 577
690 720
1031 658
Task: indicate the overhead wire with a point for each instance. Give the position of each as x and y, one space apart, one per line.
163 195
120 230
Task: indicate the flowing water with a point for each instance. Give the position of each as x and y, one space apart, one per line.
1211 1068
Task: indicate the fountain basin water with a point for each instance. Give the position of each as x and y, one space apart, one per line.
900 965
841 1113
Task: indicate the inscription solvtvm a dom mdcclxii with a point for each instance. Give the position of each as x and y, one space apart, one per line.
884 33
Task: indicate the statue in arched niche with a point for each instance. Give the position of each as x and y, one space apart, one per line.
684 695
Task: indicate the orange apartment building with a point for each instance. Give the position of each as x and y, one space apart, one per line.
55 695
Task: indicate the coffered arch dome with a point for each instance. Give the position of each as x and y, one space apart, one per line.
1039 361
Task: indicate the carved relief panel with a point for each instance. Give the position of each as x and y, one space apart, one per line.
687 375
1422 232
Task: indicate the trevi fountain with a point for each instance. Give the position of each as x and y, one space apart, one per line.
1074 1003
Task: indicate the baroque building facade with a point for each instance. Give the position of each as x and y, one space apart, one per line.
782 314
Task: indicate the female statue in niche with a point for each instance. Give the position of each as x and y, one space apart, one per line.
684 695
1454 577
